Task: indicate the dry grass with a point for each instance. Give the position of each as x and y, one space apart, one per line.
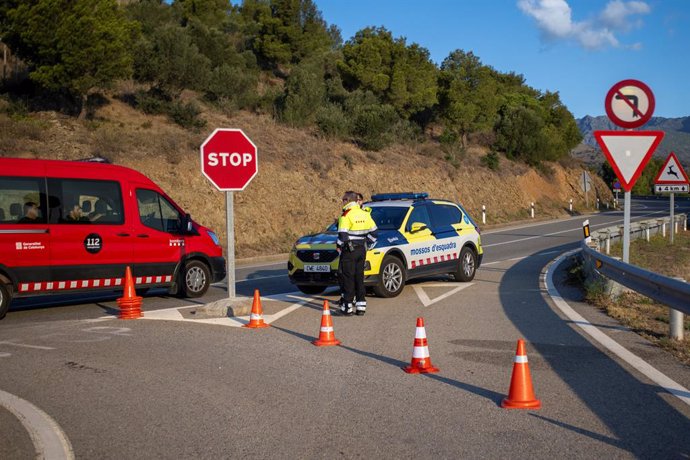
641 314
301 176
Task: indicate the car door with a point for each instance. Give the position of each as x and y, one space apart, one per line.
87 251
418 232
447 225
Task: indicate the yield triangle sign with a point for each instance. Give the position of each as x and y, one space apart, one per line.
672 172
628 152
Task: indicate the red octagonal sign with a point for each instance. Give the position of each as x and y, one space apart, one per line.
229 159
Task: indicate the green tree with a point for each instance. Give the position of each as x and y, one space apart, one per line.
468 100
77 45
645 183
305 93
171 61
399 75
283 32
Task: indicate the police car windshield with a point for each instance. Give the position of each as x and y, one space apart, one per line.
386 218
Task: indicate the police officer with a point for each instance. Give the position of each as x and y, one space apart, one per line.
356 232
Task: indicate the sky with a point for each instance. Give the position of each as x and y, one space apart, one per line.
578 48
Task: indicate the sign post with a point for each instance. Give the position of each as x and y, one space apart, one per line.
629 104
229 160
671 179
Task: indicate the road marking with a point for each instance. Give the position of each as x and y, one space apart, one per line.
48 438
607 224
426 301
23 345
614 347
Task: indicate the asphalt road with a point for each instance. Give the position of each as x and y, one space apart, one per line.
162 389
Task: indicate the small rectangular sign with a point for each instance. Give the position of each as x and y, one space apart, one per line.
671 188
317 268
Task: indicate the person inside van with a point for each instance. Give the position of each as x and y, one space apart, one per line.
31 213
76 214
100 210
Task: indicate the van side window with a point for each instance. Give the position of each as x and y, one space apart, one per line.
157 212
84 201
22 200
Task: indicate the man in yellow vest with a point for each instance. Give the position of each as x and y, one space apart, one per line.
356 232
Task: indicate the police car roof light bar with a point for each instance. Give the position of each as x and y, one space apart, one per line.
400 196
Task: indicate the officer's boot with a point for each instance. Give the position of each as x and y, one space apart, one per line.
347 309
361 307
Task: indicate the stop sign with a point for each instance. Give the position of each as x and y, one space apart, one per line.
229 159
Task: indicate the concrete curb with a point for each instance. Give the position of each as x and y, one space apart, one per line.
225 308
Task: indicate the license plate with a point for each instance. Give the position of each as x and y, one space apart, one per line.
321 268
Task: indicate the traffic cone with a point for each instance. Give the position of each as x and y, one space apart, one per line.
130 303
421 361
256 319
521 393
326 334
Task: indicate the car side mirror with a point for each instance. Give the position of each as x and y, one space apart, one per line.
417 227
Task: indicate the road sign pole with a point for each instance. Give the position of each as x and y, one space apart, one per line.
626 228
230 259
673 221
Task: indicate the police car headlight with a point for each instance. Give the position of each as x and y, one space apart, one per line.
214 237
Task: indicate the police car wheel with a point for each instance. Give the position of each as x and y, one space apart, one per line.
391 278
196 279
467 266
4 300
311 290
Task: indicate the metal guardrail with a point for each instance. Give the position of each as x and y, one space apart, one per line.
663 289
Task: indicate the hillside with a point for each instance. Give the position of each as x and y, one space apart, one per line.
677 138
301 176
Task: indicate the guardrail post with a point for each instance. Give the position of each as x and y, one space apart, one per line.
608 243
571 205
676 322
597 203
532 210
663 229
483 214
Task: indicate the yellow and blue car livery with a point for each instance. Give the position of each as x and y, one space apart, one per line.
417 237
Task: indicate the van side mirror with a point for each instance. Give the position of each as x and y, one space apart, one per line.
417 227
187 224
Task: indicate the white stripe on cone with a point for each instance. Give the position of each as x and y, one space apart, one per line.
420 352
519 359
419 333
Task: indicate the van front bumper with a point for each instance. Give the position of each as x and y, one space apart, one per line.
218 268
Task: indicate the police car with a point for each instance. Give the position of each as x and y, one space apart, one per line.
417 236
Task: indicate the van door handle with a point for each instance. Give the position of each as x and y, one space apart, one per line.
142 235
122 234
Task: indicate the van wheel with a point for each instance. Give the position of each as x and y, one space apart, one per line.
311 290
5 299
467 266
391 278
196 279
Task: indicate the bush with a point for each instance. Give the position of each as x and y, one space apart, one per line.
332 121
491 160
151 103
373 126
186 115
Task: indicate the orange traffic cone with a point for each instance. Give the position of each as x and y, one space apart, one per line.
256 319
130 304
521 394
421 361
326 334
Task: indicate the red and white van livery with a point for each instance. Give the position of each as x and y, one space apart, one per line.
75 226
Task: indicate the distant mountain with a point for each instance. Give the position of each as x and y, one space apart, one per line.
677 138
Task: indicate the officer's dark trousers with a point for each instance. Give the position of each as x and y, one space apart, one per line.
353 273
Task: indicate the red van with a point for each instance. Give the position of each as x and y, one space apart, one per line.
68 226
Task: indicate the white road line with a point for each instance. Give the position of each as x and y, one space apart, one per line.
426 301
48 438
23 345
607 224
635 361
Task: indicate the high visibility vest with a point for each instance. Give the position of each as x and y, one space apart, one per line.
356 225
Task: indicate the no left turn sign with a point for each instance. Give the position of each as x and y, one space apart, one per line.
629 104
